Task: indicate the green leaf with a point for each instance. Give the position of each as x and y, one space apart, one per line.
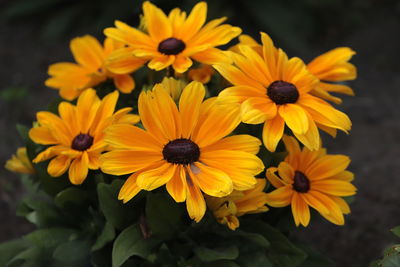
254 238
254 259
23 131
163 215
314 258
115 212
130 242
220 253
71 196
32 257
50 237
396 231
39 210
75 250
107 235
282 252
391 261
225 263
10 249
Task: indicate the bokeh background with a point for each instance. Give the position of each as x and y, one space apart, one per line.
34 34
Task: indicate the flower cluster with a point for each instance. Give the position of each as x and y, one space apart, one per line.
194 141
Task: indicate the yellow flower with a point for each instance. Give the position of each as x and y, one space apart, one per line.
76 136
333 66
90 70
202 74
275 90
20 162
176 39
238 203
311 179
184 147
174 87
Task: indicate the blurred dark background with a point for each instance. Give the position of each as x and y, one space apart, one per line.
34 34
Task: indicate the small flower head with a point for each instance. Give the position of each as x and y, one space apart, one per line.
275 90
184 146
71 79
176 39
76 135
20 163
202 74
311 179
238 203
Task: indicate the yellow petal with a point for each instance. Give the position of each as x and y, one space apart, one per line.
327 166
194 21
129 189
280 197
78 169
176 187
286 172
87 106
124 83
334 187
156 176
244 142
237 77
58 166
42 135
273 178
189 106
123 136
273 132
300 210
195 203
211 181
88 52
157 22
256 110
295 117
161 62
120 162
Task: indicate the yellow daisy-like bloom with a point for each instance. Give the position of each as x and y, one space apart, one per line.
275 90
176 39
20 162
91 69
333 66
76 136
238 203
202 74
311 179
183 148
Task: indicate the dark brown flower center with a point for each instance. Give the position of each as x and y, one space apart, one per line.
301 183
181 151
282 92
171 46
82 142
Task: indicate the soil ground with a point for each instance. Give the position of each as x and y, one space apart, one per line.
373 145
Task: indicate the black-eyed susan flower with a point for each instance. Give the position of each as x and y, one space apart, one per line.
91 69
333 66
184 147
238 203
275 90
20 162
202 74
176 39
76 136
311 179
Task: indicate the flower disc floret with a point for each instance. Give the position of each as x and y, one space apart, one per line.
181 151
